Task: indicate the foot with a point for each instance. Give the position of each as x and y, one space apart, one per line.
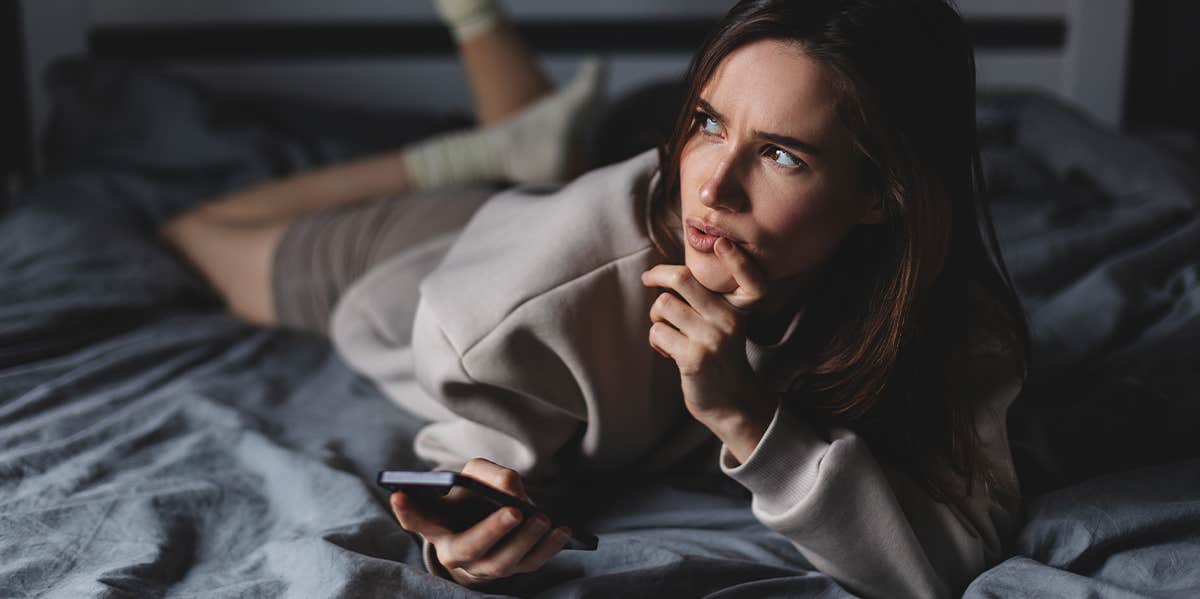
544 143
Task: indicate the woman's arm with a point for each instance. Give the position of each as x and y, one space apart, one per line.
872 529
740 432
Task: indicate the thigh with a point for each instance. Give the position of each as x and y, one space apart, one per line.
320 255
236 260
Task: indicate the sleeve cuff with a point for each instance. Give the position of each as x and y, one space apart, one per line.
783 468
432 565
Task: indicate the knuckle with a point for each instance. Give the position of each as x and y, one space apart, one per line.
678 277
450 559
470 554
727 323
475 465
509 479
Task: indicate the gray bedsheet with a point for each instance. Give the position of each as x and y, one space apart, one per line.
151 445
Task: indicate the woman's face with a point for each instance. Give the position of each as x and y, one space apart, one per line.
769 166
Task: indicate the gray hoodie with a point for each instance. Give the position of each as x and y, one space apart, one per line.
523 339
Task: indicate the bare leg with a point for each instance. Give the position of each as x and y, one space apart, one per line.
302 193
232 239
503 74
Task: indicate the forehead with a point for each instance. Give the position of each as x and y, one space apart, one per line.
773 86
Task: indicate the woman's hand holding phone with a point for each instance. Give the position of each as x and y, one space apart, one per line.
502 544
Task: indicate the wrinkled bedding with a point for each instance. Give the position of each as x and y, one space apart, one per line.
152 445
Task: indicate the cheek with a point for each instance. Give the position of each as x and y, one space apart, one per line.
803 233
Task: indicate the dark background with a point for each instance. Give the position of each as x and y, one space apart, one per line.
15 163
1162 94
1163 89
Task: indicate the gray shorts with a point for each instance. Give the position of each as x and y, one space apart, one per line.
321 254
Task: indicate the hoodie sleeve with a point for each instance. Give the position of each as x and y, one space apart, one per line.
872 529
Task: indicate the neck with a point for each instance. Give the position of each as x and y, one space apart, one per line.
787 295
776 310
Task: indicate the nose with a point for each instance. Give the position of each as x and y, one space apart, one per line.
722 188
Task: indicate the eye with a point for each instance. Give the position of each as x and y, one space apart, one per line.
707 123
783 157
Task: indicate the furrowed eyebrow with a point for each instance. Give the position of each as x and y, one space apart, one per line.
775 138
789 142
706 107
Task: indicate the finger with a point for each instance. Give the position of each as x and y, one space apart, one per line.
471 545
547 548
491 473
677 313
655 346
502 561
679 278
751 281
676 344
412 519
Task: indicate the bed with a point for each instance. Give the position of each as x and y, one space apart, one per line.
153 445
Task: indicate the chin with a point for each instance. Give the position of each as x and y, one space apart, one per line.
710 272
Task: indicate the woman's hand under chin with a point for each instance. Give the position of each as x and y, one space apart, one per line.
704 333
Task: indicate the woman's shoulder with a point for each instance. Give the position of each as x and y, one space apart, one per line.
527 243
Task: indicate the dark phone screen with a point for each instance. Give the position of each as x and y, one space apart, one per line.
457 508
458 501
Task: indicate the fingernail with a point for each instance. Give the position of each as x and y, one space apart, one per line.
508 517
722 245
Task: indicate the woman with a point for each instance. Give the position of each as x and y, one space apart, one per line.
797 281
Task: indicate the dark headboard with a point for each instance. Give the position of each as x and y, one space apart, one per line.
381 53
250 41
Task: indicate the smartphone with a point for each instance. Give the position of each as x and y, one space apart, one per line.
428 489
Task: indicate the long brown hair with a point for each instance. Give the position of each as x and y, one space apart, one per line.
891 317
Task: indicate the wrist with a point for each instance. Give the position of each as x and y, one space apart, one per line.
741 429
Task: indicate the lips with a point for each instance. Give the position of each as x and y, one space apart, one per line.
703 236
712 230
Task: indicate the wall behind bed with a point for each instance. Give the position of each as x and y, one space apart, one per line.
393 53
